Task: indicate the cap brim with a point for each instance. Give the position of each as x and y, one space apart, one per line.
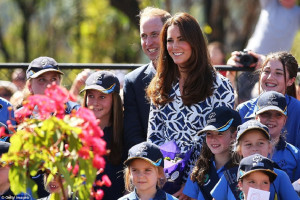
96 87
267 108
270 173
126 162
253 128
208 128
35 75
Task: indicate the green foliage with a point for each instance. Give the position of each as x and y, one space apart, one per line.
61 145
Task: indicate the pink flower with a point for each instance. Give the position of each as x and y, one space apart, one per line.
99 146
99 194
84 152
76 169
98 162
106 181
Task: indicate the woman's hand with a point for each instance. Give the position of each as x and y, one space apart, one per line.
180 195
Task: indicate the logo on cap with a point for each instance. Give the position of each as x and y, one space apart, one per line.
141 151
271 100
257 161
45 62
98 79
211 118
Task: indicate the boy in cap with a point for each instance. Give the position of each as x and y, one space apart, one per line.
5 192
271 110
144 173
257 172
216 155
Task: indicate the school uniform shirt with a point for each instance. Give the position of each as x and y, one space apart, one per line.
287 157
177 122
192 189
247 111
282 186
160 195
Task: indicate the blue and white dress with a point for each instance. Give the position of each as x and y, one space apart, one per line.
180 123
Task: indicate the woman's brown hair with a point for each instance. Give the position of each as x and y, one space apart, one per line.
116 148
201 75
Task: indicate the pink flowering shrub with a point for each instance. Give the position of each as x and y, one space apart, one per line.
47 139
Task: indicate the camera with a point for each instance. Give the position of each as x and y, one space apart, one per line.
246 59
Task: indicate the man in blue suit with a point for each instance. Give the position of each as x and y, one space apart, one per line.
136 105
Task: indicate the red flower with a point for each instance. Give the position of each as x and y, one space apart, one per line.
98 162
99 195
106 181
76 169
99 146
84 152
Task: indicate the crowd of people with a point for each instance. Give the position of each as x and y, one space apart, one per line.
226 150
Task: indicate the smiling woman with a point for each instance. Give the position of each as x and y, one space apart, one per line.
278 73
101 95
185 88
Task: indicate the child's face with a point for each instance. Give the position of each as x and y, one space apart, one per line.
39 84
253 141
53 186
219 142
100 103
274 120
272 77
258 180
144 176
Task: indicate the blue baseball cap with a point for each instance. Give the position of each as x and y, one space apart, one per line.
147 151
271 100
103 81
41 65
256 162
252 125
221 119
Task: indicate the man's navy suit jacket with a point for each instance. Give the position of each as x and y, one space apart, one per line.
136 105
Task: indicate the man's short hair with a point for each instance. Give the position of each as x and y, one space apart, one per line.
152 11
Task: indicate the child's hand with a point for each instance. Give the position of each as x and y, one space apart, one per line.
180 195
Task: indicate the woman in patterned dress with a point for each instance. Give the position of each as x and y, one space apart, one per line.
185 88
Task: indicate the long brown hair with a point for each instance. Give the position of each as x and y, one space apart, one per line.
203 163
289 63
201 74
116 148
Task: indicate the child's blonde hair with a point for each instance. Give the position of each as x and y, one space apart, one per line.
128 181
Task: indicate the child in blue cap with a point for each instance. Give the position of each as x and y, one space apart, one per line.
257 172
253 138
216 155
144 173
272 112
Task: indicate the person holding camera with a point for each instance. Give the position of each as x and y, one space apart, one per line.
278 73
275 30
